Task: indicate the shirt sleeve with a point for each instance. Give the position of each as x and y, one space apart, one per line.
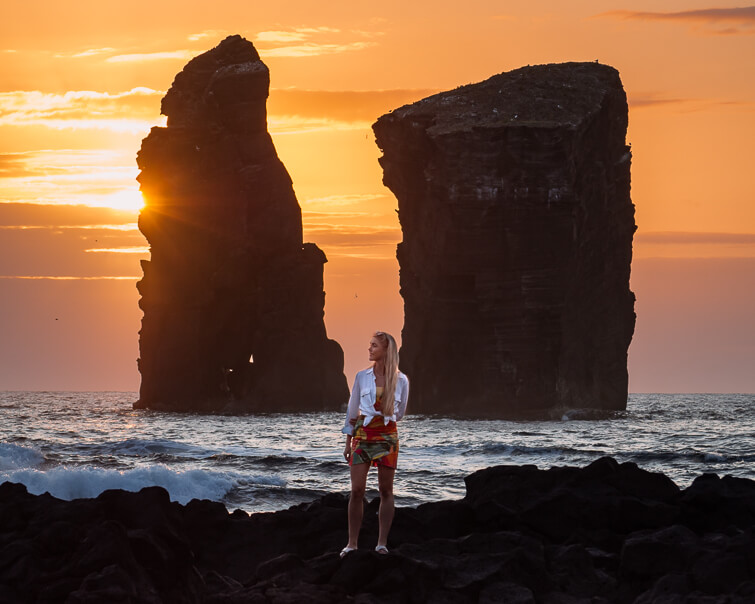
352 411
403 398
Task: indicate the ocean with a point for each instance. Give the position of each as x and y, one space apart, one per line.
78 444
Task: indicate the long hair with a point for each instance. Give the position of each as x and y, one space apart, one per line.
391 371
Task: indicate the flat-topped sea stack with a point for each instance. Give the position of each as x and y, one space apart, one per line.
232 298
514 201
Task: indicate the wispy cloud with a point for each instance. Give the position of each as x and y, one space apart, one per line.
30 216
90 52
152 56
208 33
687 237
282 37
294 124
721 21
311 41
71 252
70 278
342 200
352 236
683 244
71 177
135 110
342 105
134 249
685 105
313 49
293 35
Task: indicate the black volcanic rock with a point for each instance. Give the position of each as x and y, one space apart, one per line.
514 202
607 532
229 280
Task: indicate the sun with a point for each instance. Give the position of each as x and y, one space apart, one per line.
125 199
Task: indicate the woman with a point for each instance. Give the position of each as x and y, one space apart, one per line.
378 401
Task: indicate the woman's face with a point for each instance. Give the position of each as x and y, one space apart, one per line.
376 350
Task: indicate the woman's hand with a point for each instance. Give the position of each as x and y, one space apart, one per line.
347 449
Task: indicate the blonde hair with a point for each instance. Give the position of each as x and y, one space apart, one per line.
391 371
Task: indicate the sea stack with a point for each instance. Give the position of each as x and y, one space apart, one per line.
514 202
233 299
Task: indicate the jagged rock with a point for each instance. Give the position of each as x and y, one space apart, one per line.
232 299
141 547
514 202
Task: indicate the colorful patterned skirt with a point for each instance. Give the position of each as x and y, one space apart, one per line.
375 444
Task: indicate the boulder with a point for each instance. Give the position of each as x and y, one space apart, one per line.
141 547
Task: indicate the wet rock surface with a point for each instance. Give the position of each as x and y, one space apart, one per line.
233 299
514 202
607 532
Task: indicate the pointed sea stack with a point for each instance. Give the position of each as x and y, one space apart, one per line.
232 298
514 201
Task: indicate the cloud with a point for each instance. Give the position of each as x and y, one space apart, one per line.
70 278
688 237
689 105
311 41
342 200
135 110
90 52
13 164
71 177
293 35
54 252
342 105
637 102
292 124
133 249
312 49
313 216
351 236
138 109
208 33
184 55
281 36
722 21
684 244
25 215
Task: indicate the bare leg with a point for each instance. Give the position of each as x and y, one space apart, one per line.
385 513
356 505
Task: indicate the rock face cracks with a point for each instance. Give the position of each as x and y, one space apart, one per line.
232 298
514 201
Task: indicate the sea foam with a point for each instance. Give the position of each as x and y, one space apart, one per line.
74 483
13 457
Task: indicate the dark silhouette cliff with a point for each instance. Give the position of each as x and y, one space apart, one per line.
232 298
514 201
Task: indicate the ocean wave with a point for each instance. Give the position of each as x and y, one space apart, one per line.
74 483
694 455
502 449
14 457
137 447
592 415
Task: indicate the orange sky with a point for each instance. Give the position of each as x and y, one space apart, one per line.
81 83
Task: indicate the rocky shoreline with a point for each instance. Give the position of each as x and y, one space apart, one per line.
607 532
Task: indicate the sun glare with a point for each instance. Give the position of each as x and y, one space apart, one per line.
127 199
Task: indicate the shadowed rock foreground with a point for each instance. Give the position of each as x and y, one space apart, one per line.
605 533
514 202
232 299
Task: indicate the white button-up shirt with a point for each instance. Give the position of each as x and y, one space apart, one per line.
364 396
